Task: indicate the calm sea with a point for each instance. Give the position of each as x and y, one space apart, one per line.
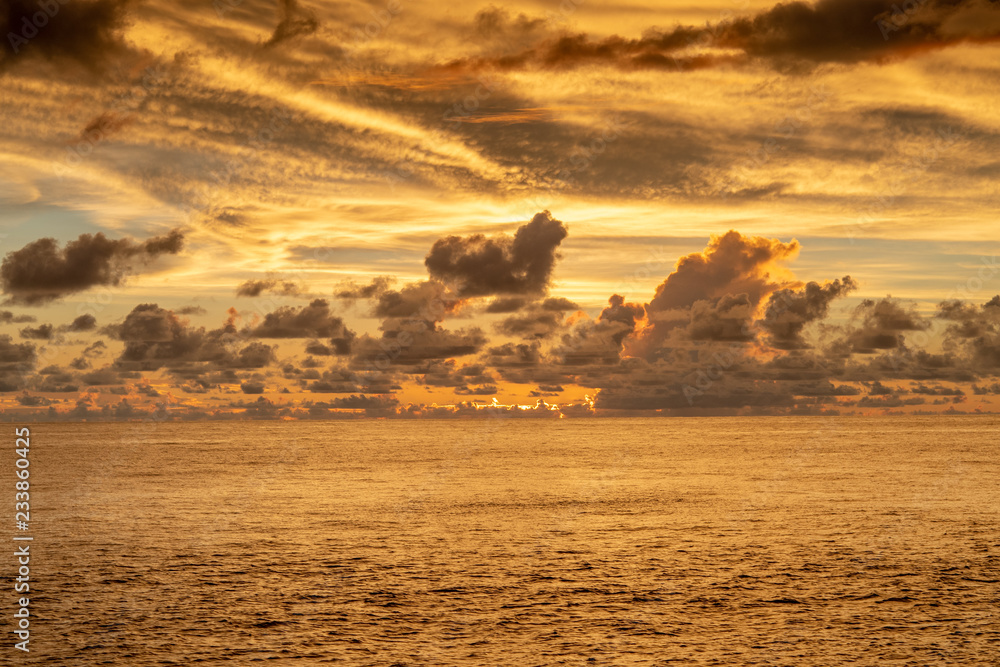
758 541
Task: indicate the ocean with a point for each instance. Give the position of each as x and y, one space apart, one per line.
723 541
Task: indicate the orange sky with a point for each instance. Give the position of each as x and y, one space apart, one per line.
343 180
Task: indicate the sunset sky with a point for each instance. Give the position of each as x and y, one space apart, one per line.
412 209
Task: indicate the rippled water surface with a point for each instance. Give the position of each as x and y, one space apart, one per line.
786 541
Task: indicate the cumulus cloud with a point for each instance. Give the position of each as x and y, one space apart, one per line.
730 264
790 310
156 337
312 321
41 272
480 266
409 341
85 322
973 332
537 320
713 294
16 360
882 325
428 300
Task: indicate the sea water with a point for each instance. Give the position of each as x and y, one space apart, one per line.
726 541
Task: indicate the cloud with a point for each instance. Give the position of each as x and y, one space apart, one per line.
712 295
41 332
312 321
731 264
88 33
507 304
536 320
155 337
725 320
85 322
790 310
92 351
32 401
350 290
480 266
41 272
883 325
973 332
409 341
790 35
255 288
428 300
16 360
7 317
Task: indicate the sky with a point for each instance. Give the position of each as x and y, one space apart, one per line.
247 209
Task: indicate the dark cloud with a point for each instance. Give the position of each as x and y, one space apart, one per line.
935 390
85 322
447 373
973 332
7 317
191 310
507 304
155 337
883 325
41 332
16 360
350 291
92 351
626 314
537 320
410 341
481 266
514 355
340 380
32 401
88 33
295 20
428 300
41 271
252 387
790 310
312 321
725 320
792 35
255 288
